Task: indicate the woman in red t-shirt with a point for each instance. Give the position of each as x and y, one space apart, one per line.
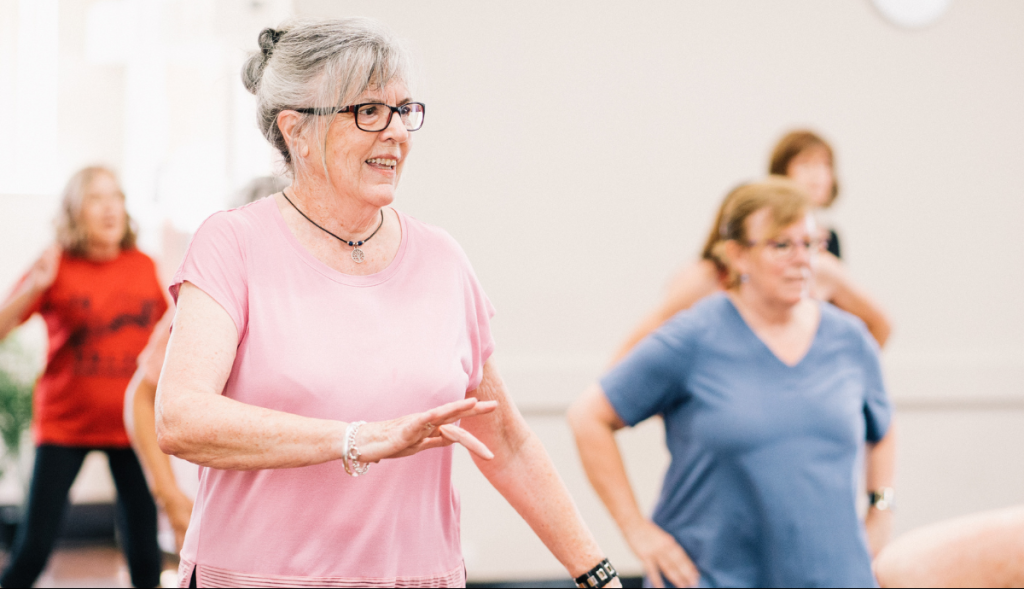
100 298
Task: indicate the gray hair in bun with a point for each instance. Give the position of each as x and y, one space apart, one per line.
319 63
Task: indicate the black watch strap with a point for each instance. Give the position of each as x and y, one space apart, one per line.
598 576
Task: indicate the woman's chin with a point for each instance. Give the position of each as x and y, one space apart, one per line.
379 196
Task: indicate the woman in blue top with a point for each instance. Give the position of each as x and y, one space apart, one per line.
768 397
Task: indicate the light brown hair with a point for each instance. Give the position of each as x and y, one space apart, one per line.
783 197
795 143
70 232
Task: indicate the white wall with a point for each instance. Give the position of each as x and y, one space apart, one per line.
577 150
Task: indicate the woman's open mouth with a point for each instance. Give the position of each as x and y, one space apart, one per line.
383 163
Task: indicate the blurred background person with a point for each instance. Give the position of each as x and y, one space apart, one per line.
768 397
172 480
100 298
808 160
324 304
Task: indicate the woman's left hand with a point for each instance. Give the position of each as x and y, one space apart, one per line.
879 529
417 432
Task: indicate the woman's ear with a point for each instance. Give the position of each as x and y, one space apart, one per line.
288 123
737 257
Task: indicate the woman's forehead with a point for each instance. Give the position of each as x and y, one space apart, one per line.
814 154
763 226
395 92
100 184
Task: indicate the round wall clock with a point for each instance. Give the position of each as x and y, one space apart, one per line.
912 14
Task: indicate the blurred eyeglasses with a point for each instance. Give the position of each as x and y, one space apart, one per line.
787 249
374 117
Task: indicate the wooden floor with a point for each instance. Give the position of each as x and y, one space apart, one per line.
91 566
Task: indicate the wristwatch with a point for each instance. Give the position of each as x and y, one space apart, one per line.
597 577
883 499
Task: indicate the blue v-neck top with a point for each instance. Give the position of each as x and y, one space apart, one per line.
762 486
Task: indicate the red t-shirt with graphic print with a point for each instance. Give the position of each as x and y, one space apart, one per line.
99 316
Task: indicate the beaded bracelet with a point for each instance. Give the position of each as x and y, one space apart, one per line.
351 456
597 577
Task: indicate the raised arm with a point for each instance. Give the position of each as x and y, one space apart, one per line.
40 277
196 422
523 473
833 283
594 423
691 285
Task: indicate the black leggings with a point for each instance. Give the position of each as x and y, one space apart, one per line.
55 470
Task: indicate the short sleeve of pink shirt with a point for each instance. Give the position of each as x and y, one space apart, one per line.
319 343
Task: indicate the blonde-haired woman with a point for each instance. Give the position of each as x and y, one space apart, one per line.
768 397
100 298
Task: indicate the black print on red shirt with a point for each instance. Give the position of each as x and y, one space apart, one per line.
86 342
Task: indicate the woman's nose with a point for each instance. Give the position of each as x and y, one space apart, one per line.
395 130
803 254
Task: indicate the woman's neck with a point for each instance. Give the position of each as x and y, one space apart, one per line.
763 310
102 252
347 217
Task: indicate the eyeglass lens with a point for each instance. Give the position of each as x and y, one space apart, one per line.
789 248
377 117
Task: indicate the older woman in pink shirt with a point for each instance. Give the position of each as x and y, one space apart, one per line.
320 333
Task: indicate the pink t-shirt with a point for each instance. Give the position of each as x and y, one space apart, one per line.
318 343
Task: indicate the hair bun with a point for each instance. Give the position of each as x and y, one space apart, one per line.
268 40
252 71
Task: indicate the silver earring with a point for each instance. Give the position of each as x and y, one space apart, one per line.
744 278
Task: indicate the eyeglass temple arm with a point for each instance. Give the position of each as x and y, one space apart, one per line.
322 110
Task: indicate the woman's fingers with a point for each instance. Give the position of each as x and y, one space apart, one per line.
677 566
679 570
440 415
458 435
653 575
452 412
480 408
422 431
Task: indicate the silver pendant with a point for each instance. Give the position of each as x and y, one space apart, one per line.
357 256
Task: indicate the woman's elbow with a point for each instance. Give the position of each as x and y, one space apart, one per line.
582 418
576 416
168 429
166 438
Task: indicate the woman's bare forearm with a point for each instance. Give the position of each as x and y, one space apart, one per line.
13 310
880 465
592 422
143 434
527 479
215 431
525 476
849 297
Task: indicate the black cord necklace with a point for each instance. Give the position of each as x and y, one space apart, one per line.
357 254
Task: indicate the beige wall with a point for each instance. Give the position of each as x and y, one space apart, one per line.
577 150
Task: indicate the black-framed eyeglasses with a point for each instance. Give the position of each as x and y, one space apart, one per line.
370 115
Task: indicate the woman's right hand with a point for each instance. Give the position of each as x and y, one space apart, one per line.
415 433
662 556
44 271
178 508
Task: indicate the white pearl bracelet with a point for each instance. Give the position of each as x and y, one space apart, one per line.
351 456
